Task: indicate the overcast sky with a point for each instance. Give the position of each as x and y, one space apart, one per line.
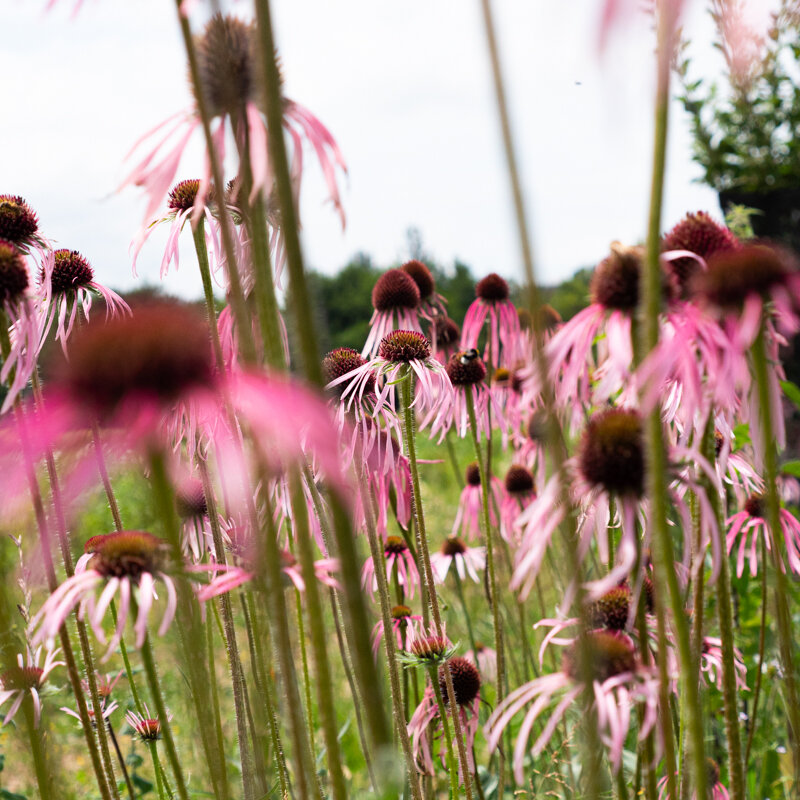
405 89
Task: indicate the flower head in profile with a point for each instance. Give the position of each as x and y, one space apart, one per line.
492 302
27 678
426 718
396 299
464 560
470 504
19 224
146 726
68 285
619 682
716 789
232 92
402 353
18 315
125 565
432 305
406 625
399 561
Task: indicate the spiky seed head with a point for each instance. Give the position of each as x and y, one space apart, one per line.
615 282
446 330
518 480
466 680
71 271
698 233
612 452
18 222
473 474
465 368
610 653
395 289
611 610
422 276
126 554
755 506
394 545
400 347
492 288
341 361
183 195
190 500
13 273
159 353
734 276
453 546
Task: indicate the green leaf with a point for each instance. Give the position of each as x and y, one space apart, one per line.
792 391
791 468
741 436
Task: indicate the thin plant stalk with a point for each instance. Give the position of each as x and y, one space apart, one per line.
762 638
161 710
786 637
237 299
452 770
319 651
198 235
384 599
44 776
409 432
121 759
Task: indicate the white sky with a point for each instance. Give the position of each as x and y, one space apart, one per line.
405 89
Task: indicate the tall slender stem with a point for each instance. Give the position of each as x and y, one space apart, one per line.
762 639
409 436
448 736
44 776
198 234
786 638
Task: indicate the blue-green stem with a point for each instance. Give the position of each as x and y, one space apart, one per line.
161 710
786 637
665 579
406 392
322 671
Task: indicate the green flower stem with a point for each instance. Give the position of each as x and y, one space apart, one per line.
344 641
448 736
269 560
103 470
665 579
222 779
725 616
104 784
121 760
299 295
786 637
232 650
198 234
762 638
406 393
62 534
161 710
460 593
322 670
44 776
399 713
259 661
309 703
157 771
237 298
192 631
622 787
497 620
451 454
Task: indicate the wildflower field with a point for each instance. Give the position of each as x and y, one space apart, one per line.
513 554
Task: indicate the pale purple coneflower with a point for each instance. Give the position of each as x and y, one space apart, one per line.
466 688
398 560
406 626
445 338
67 285
183 197
395 298
464 560
145 726
467 372
619 683
230 80
27 677
19 314
518 495
106 712
124 564
470 504
711 663
506 390
19 224
401 352
750 523
432 306
503 345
